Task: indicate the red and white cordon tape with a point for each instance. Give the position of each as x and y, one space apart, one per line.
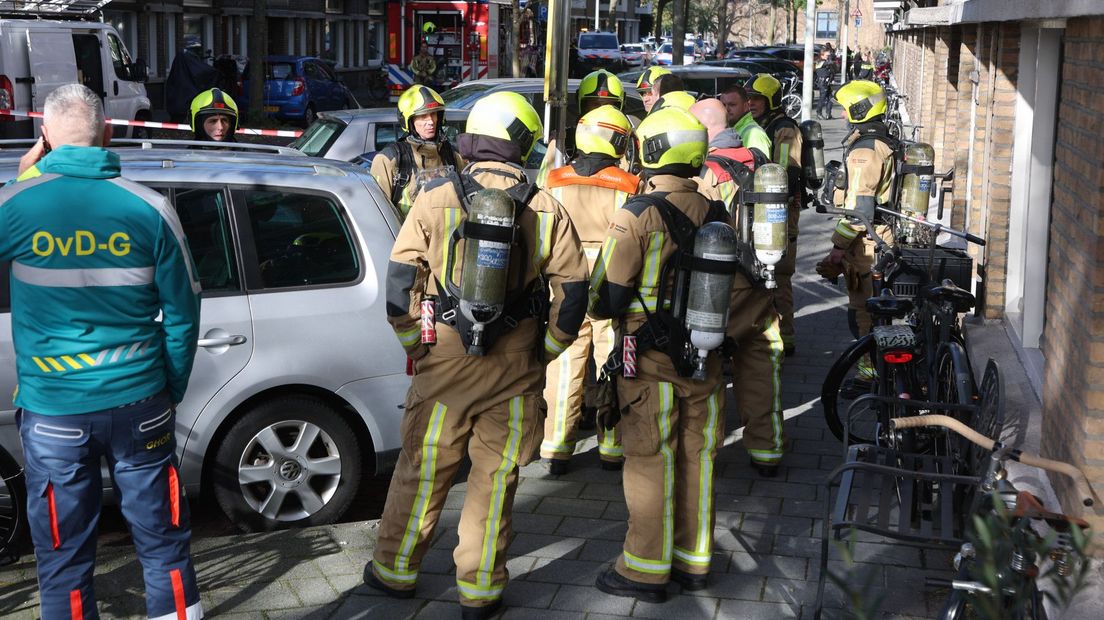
278 133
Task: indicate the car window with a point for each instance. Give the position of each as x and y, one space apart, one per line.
120 59
312 71
462 97
301 239
598 41
386 133
205 217
325 72
281 70
319 137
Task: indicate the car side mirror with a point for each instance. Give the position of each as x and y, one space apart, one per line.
138 71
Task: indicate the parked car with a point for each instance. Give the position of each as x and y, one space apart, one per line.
789 54
636 54
350 134
774 66
297 88
703 80
664 55
598 50
357 135
297 388
38 56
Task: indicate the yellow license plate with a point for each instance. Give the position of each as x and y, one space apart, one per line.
272 108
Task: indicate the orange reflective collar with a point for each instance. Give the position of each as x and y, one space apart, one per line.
610 177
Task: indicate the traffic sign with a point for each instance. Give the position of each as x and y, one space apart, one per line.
856 13
858 22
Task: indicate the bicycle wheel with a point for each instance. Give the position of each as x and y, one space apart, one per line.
894 127
844 383
954 384
13 509
792 104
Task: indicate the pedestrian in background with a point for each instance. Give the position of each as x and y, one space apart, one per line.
105 318
825 75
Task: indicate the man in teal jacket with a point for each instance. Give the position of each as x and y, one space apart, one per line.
105 317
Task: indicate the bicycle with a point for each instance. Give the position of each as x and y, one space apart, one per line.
925 358
13 509
791 100
893 112
1012 590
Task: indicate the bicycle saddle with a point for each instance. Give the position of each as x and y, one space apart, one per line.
961 299
889 305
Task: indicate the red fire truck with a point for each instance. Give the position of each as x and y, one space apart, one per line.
467 39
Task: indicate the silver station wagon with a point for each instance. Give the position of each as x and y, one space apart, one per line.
297 389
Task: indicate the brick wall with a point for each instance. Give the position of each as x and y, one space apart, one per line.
1073 343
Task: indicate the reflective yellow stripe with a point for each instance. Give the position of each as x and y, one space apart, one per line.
774 452
410 337
544 238
427 480
608 446
652 567
703 543
694 559
600 267
666 405
399 577
29 173
498 498
53 362
853 184
783 154
479 593
558 442
72 362
42 366
87 359
651 261
845 230
452 220
728 192
553 346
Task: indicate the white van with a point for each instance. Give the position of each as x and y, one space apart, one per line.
37 56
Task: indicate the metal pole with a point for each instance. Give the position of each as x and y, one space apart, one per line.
597 4
845 64
556 54
807 84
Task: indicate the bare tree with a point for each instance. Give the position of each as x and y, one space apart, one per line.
258 53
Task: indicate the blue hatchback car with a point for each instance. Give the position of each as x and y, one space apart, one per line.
297 88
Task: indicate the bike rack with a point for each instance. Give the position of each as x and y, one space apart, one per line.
915 498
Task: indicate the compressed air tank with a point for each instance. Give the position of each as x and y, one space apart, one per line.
812 155
769 231
710 290
486 261
916 182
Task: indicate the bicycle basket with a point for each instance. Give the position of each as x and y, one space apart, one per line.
911 271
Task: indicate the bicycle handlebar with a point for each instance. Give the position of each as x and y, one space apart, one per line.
947 422
937 227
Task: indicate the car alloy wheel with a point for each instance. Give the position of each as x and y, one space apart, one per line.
287 462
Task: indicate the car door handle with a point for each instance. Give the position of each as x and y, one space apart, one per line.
236 339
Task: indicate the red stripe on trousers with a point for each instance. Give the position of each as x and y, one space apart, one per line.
178 594
76 608
53 515
174 496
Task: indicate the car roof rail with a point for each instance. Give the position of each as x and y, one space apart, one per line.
151 143
26 143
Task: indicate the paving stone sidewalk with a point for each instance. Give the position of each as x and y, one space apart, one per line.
569 528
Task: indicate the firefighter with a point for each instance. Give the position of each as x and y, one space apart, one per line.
421 154
753 324
735 99
869 164
671 425
596 89
590 188
765 101
477 390
214 117
423 65
644 85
